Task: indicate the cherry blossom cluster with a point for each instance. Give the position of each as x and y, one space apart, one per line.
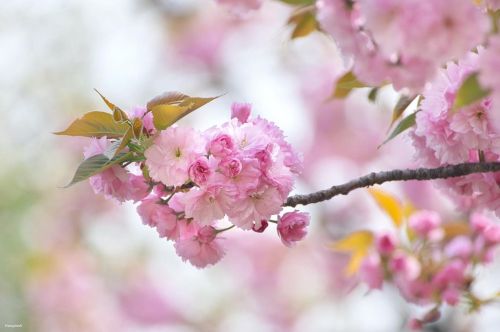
446 135
402 42
190 182
432 262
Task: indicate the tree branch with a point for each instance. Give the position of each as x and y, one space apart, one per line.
371 179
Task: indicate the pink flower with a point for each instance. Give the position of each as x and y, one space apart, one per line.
263 225
207 205
160 216
292 227
386 243
408 267
173 151
232 167
424 223
147 118
446 136
459 247
371 271
451 274
241 111
451 296
244 175
199 171
115 182
221 146
241 7
489 64
255 206
201 249
392 24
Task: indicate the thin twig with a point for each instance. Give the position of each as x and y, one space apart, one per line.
371 179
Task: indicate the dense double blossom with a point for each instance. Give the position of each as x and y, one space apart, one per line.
432 262
402 42
445 135
241 171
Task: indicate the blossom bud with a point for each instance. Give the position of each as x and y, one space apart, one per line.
241 111
292 227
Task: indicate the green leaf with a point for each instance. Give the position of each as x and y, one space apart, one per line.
95 124
169 107
299 2
404 124
372 95
401 106
345 84
469 92
95 165
305 23
118 114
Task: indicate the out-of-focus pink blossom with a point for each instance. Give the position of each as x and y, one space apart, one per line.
241 7
386 243
371 271
424 223
292 227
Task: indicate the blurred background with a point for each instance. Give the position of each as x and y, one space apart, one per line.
72 261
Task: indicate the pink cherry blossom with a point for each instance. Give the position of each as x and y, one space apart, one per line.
386 243
207 205
146 117
489 64
371 271
241 111
423 223
202 249
292 227
173 151
160 216
446 136
254 206
221 145
115 182
241 7
199 171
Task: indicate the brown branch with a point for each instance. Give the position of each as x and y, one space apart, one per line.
371 179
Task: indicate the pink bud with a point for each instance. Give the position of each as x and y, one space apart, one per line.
292 227
199 171
230 167
386 243
451 296
415 324
371 271
406 266
492 234
262 227
206 234
221 146
479 222
424 222
241 111
460 247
